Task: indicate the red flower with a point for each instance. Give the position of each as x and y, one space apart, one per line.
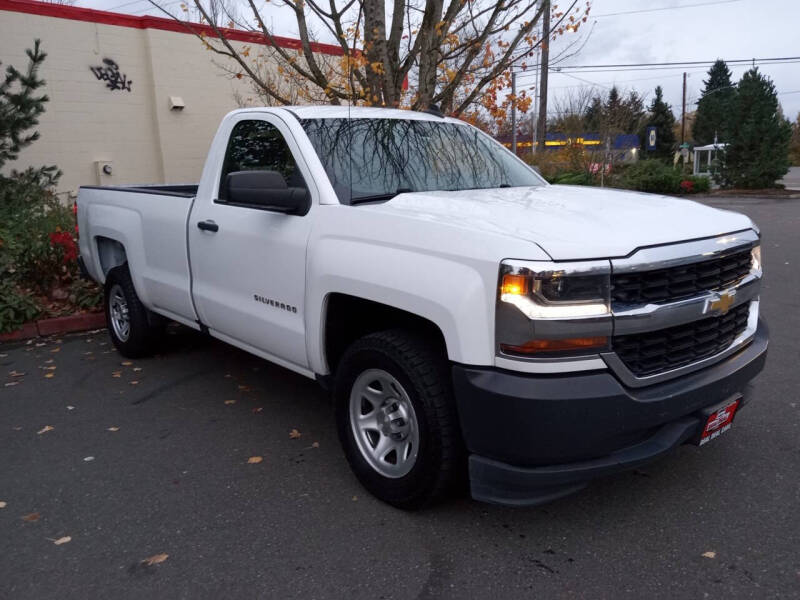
68 246
687 186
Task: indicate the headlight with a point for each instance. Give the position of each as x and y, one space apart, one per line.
549 309
755 253
552 291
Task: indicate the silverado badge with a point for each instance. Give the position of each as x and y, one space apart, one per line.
721 303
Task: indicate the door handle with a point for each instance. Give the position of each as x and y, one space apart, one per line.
208 225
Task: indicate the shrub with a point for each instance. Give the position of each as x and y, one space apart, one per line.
652 176
699 184
16 306
571 178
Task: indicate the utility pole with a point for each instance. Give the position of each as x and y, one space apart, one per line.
514 112
683 112
545 43
534 115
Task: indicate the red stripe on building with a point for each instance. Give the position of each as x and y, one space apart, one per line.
76 13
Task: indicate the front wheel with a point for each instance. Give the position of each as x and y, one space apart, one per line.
134 330
396 418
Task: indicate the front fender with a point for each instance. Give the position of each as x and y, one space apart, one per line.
456 295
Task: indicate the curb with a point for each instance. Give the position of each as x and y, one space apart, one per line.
56 325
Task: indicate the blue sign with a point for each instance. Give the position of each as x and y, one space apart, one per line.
650 143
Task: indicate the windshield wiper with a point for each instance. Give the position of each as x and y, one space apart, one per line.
379 197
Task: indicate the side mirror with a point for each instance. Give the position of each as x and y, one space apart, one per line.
266 190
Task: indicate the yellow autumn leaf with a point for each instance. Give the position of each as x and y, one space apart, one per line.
709 554
294 434
254 460
2 504
113 429
49 375
62 540
45 429
155 559
31 518
126 363
230 401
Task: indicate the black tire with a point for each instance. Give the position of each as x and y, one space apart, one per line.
421 367
145 327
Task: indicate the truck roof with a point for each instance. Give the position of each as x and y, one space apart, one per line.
361 112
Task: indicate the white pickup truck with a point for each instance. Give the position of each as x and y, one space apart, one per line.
471 320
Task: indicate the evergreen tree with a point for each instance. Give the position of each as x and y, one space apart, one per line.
659 115
758 147
594 115
713 108
794 145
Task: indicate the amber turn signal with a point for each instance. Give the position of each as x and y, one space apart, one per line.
515 285
536 346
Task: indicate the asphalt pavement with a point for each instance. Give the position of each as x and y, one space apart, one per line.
150 468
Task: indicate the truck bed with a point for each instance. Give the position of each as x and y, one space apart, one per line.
149 223
183 190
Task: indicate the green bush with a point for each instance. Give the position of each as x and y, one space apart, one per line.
571 178
38 249
652 176
16 306
695 184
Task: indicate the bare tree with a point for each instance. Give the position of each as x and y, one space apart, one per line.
454 53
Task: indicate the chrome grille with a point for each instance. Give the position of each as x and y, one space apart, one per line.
684 281
662 350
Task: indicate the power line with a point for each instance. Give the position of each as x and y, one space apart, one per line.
680 64
648 10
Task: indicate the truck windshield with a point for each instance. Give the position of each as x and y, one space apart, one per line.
376 159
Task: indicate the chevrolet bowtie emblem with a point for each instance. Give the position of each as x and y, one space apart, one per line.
721 304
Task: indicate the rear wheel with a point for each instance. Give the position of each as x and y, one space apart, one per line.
396 418
135 331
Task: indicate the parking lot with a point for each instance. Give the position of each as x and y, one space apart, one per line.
158 459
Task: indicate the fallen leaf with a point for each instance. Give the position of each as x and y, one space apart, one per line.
49 375
3 504
315 445
294 434
17 428
45 429
49 368
3 355
88 459
254 460
257 410
355 498
244 388
126 363
62 540
70 407
227 375
134 383
87 353
10 383
113 429
17 374
155 559
116 373
31 518
710 554
54 350
49 361
137 369
230 401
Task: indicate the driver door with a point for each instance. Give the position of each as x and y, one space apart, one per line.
248 263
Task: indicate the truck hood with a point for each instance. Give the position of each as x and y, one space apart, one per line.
570 222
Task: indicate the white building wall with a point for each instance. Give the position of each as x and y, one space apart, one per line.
86 122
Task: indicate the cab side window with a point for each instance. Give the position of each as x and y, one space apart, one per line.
259 146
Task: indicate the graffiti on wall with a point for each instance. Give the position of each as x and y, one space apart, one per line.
109 72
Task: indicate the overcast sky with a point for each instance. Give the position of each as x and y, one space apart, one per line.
728 29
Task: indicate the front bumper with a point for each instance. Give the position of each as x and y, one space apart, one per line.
536 438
